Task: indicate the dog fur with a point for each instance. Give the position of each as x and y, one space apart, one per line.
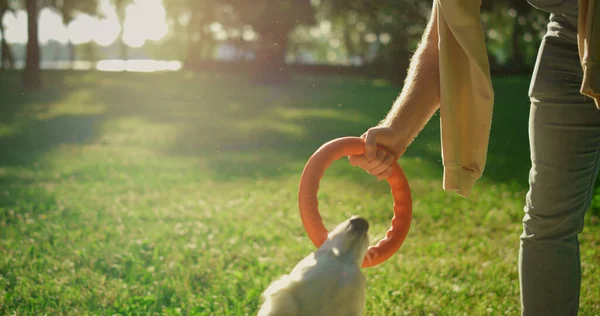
328 282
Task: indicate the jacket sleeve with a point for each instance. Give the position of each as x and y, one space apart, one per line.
466 94
588 35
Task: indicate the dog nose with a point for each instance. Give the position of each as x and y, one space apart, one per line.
359 223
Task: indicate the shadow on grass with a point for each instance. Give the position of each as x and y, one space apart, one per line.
25 132
41 136
226 121
240 129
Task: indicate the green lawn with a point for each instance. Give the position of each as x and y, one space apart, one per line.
171 193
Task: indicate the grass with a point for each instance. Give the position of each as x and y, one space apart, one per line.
175 193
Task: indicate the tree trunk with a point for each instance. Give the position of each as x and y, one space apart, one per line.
270 59
350 49
123 51
207 48
6 56
2 49
193 42
31 75
8 60
191 56
72 53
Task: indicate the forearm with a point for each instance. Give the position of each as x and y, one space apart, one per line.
420 96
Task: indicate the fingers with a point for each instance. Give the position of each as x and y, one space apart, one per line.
383 165
374 136
380 166
386 174
358 161
376 162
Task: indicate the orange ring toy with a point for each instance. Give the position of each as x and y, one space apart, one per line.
308 202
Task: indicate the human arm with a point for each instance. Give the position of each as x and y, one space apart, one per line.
464 93
413 108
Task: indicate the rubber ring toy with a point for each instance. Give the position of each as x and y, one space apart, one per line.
309 204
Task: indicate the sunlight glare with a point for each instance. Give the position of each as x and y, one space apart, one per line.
53 29
138 65
146 20
85 28
16 27
248 34
215 27
107 31
81 29
108 27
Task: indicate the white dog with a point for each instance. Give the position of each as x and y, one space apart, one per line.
328 281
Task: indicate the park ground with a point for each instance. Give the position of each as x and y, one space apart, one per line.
176 193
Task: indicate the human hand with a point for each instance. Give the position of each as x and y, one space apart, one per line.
377 161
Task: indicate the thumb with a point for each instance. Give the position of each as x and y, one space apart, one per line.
371 143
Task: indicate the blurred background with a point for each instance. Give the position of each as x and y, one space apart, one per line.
268 39
150 152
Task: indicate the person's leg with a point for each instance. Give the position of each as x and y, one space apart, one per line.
564 131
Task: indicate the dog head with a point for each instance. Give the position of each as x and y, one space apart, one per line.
349 240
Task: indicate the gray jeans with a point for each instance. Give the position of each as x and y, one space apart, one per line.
564 134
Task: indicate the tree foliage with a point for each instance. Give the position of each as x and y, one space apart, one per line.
121 6
378 34
6 56
31 75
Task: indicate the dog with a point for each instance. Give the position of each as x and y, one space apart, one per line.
328 282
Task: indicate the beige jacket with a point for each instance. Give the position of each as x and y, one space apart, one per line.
466 91
589 48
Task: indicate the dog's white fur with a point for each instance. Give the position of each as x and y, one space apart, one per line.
328 282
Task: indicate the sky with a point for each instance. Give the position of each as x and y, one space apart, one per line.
145 20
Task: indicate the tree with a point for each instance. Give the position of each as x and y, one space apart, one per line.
32 72
68 9
379 33
514 32
190 20
32 75
121 5
6 56
272 21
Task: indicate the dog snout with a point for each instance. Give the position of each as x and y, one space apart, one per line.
359 224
